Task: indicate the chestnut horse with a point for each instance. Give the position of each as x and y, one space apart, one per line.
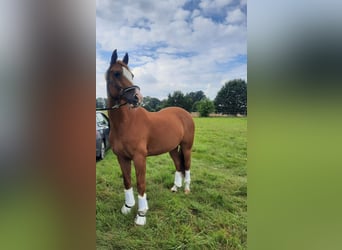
136 133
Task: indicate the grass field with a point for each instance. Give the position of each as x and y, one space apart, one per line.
212 216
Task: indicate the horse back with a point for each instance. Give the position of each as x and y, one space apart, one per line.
178 115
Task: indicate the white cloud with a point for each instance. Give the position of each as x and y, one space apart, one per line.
236 16
171 48
243 2
214 4
101 67
195 13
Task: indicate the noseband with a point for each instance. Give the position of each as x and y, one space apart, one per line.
124 95
124 91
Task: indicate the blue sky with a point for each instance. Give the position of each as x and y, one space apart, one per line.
173 44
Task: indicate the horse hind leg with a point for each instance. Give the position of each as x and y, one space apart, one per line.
186 152
177 158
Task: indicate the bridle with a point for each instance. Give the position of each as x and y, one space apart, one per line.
122 95
122 92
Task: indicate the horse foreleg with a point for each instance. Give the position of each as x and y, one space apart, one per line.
125 165
140 170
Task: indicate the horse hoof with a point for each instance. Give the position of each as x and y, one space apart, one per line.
125 210
140 220
187 191
174 189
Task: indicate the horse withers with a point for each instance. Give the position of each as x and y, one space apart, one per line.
136 133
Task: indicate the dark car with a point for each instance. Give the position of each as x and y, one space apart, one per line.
102 135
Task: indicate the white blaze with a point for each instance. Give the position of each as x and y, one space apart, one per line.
127 74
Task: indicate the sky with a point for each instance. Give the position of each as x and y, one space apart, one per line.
173 45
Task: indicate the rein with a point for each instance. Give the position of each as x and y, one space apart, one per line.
114 107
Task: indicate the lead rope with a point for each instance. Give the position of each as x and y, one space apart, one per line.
114 107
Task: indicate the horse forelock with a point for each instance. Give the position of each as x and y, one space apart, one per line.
125 66
122 64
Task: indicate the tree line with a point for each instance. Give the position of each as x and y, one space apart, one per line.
231 99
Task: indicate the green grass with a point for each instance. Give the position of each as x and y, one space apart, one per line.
212 216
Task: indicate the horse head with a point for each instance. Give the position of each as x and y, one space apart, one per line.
120 86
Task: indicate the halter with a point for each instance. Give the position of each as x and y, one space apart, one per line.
122 91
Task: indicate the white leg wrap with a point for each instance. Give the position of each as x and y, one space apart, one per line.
178 178
143 206
129 197
178 181
129 201
187 181
174 188
140 219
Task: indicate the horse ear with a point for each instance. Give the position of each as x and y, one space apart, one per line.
125 59
114 57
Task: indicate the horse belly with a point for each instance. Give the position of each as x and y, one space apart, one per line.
159 150
161 143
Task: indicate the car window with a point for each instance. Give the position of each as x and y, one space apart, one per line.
100 119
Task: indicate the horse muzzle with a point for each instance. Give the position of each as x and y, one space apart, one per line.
133 96
138 97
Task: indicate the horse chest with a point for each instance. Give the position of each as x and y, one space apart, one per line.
125 145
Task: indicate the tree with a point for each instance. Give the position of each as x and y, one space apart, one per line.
194 98
205 107
177 99
101 102
232 98
152 104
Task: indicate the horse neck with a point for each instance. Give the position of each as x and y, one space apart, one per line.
119 117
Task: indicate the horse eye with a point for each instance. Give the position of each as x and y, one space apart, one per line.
117 74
